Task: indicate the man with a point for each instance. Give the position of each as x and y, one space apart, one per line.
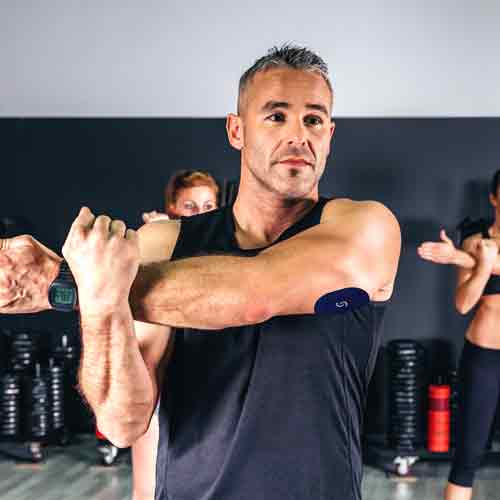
264 391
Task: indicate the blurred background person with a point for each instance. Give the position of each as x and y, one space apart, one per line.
478 286
187 193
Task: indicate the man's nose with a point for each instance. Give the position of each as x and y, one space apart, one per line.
297 134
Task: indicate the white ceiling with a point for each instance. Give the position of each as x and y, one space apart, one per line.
183 59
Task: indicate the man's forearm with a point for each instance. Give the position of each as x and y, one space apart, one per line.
210 292
113 376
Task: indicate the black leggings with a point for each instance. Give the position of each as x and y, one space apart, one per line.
479 390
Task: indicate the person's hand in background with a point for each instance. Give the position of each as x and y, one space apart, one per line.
153 216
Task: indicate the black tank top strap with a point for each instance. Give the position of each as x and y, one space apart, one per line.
485 230
312 218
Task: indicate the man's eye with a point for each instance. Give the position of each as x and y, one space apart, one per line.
313 120
208 206
189 206
277 117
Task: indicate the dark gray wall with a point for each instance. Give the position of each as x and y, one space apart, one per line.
430 172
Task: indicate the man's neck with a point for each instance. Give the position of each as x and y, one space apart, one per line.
261 217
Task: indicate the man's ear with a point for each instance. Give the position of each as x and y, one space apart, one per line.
493 200
332 128
234 129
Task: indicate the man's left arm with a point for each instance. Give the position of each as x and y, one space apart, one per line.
358 248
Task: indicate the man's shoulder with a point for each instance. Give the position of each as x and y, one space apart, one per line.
369 224
346 210
157 239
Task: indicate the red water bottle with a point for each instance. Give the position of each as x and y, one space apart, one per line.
438 419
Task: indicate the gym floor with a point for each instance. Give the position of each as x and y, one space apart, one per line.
74 473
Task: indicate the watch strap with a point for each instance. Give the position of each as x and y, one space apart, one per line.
65 275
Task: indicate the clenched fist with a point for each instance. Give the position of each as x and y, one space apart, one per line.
27 268
103 256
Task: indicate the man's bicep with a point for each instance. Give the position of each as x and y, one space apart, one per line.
157 240
327 258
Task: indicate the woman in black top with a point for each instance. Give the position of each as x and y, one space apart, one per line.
478 285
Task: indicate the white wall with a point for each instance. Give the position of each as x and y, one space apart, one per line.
183 58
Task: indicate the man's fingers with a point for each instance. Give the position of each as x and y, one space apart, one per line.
84 220
102 224
132 235
15 242
85 217
118 228
5 243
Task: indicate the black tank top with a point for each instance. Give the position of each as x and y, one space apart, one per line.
271 411
493 284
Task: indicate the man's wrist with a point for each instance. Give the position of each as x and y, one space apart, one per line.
98 320
53 268
95 306
62 292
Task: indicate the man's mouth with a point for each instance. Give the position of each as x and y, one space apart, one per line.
296 162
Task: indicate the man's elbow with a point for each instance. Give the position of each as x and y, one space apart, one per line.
122 432
123 436
256 311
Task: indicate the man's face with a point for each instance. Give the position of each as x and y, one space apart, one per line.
286 129
193 200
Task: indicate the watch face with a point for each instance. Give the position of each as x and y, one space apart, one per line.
62 298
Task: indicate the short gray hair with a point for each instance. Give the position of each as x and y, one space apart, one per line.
288 56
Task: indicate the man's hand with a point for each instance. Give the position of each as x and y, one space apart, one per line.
27 268
148 217
103 256
442 252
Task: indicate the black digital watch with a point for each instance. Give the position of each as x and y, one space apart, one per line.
63 294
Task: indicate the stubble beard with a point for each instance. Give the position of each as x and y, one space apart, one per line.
291 185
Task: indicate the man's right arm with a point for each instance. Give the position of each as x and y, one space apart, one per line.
123 361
